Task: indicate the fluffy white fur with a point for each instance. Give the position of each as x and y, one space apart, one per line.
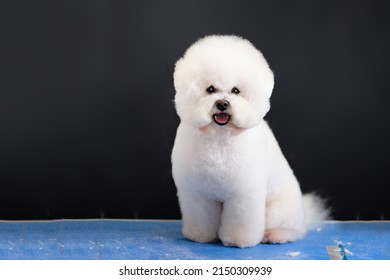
233 182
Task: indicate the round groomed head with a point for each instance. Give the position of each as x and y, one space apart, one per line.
222 69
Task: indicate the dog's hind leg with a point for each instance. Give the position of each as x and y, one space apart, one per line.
284 217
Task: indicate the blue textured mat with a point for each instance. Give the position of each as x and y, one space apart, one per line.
131 239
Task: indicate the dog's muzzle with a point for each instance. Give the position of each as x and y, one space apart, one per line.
222 118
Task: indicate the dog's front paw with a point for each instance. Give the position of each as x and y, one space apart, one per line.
238 239
239 242
281 235
203 236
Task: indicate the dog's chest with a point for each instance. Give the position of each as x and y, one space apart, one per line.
218 156
220 167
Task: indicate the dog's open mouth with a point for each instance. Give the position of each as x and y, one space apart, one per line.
221 118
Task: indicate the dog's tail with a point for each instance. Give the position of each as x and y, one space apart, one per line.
315 210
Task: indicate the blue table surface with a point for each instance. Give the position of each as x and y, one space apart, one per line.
135 239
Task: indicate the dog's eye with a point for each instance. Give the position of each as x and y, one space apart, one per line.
210 89
235 90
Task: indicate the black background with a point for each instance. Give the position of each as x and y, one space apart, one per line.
87 121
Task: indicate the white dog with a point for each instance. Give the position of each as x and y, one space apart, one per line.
233 182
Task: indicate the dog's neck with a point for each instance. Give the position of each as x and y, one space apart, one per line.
216 131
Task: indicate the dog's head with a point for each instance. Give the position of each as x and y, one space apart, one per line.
222 81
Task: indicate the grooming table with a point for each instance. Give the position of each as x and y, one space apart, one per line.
135 239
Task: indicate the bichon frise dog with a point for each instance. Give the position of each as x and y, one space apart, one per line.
233 182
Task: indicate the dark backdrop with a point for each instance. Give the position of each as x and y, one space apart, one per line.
86 118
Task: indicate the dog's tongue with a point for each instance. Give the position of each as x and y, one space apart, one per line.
221 118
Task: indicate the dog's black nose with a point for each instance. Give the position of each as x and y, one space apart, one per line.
222 105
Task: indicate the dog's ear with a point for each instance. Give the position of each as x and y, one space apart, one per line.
180 75
265 82
270 85
177 74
